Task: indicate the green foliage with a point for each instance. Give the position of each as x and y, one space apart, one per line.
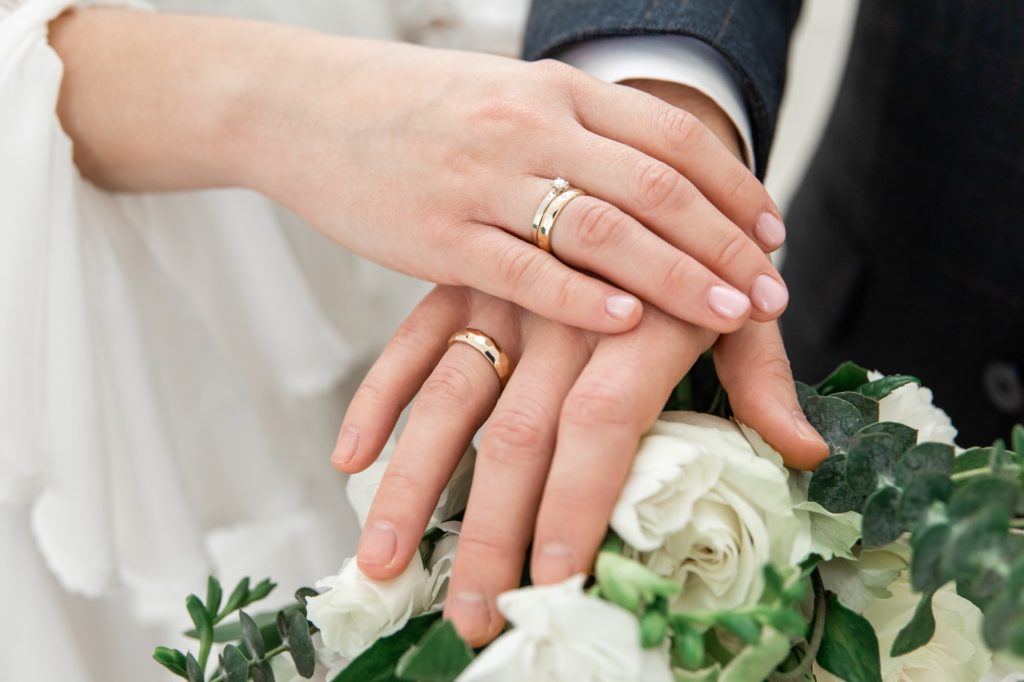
439 656
379 662
835 419
849 648
918 631
848 376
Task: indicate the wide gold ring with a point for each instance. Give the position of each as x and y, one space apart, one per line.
486 346
559 187
547 223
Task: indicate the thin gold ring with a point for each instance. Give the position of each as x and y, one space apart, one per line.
486 346
554 209
558 185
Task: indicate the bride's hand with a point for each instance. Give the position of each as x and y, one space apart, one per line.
558 442
432 162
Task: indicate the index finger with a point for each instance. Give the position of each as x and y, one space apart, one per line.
616 399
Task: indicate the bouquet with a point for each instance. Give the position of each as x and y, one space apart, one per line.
900 558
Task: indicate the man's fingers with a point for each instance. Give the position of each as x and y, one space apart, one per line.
396 376
511 465
617 397
754 371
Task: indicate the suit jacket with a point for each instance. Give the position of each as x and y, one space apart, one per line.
906 239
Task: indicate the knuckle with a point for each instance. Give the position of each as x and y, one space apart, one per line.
569 292
741 183
596 403
730 249
399 483
554 69
514 434
479 540
659 186
680 126
448 385
516 266
679 275
598 222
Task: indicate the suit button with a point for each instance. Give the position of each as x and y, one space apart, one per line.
1003 386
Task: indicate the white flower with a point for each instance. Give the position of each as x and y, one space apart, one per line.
704 510
562 635
865 577
954 654
911 404
354 611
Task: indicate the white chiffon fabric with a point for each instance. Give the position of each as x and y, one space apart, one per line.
173 368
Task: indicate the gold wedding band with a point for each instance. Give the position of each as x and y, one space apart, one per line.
486 346
554 209
560 194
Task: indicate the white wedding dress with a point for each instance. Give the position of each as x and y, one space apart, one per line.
173 367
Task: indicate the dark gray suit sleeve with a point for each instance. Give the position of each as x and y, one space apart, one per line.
752 35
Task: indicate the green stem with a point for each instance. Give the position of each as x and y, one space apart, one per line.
817 634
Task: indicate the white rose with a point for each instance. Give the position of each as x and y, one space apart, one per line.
704 510
562 635
954 654
911 404
864 577
354 611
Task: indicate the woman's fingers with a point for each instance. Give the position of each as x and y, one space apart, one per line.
514 270
511 465
754 371
617 397
679 139
396 376
453 403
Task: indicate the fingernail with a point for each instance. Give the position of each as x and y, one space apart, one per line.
469 610
728 302
555 562
620 306
804 428
768 294
346 446
770 231
378 544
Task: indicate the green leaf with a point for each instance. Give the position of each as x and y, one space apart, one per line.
867 407
1017 439
688 646
905 436
757 661
977 558
828 487
195 673
653 628
213 596
803 392
924 458
237 597
787 621
927 573
262 672
172 659
881 523
870 456
262 589
919 496
200 617
835 419
236 667
251 635
741 625
377 664
440 656
1000 619
849 647
266 620
973 458
918 631
629 583
846 377
708 674
886 385
980 492
300 645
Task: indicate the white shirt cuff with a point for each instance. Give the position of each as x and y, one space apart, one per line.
671 58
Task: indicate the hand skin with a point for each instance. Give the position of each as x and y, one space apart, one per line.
431 162
559 439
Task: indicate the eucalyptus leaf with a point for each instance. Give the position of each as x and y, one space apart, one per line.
304 593
1001 617
927 573
251 635
214 593
980 492
262 672
192 668
172 659
300 645
377 664
849 646
828 487
803 392
922 492
846 377
236 667
266 620
868 407
973 458
881 523
918 631
886 385
439 656
835 419
924 458
871 457
905 436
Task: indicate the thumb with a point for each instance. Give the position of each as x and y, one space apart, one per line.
755 373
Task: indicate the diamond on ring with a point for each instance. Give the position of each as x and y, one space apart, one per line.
560 184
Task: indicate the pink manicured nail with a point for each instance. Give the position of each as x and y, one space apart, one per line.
469 610
768 294
346 447
770 231
555 562
620 306
728 302
378 544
